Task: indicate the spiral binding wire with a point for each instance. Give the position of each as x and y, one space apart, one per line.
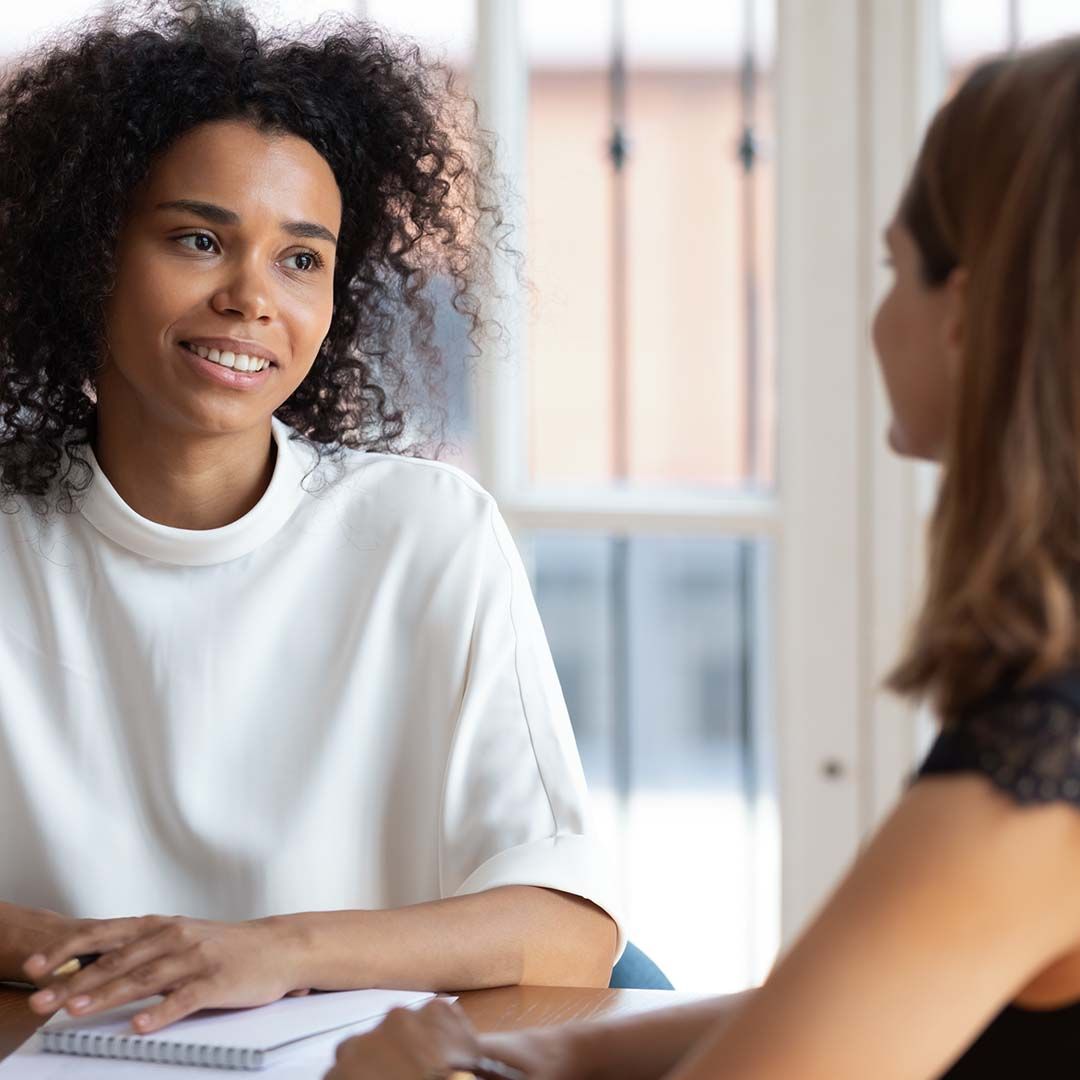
140 1048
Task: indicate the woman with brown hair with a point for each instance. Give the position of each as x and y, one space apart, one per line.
952 947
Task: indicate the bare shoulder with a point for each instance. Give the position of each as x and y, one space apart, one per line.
961 900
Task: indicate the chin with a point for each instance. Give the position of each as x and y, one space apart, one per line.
217 418
900 442
897 441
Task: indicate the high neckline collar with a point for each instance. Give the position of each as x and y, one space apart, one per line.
103 507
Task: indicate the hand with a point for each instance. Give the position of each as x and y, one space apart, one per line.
25 930
421 1044
195 964
541 1054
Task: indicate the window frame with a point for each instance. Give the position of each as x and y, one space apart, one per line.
845 518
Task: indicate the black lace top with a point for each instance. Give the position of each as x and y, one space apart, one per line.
1028 743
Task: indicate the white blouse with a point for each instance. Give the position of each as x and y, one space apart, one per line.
344 699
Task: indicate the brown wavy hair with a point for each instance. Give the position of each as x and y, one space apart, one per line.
996 190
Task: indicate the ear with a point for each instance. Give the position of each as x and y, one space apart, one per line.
954 322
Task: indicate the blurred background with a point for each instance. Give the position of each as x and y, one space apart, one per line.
683 427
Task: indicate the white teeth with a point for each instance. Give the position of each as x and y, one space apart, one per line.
237 361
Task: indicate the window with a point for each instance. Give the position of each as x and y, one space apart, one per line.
649 240
660 655
969 31
639 436
647 451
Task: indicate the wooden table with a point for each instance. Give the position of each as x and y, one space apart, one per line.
506 1009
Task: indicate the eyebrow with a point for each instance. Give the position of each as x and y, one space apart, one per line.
220 216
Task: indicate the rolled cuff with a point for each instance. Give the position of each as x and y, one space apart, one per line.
569 863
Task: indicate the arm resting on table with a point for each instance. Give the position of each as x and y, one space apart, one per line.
508 936
638 1047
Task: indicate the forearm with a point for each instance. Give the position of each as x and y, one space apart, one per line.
502 937
24 931
644 1046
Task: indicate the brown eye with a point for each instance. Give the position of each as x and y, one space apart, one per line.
306 261
202 242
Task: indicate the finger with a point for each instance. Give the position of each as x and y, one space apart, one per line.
370 1056
108 968
93 936
146 980
187 999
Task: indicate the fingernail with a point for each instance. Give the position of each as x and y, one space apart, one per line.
141 1020
44 997
36 961
79 1002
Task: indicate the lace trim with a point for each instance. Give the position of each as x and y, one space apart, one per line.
1030 748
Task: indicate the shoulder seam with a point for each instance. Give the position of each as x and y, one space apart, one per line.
454 471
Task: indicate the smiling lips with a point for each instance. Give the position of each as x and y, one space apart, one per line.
238 361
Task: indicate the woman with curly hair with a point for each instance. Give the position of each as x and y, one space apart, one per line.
259 665
951 949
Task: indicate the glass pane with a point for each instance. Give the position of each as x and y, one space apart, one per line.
284 12
1043 20
446 31
445 28
569 239
25 24
973 29
659 645
651 339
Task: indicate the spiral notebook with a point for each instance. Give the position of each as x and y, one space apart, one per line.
226 1039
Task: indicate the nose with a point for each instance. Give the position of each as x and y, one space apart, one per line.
246 293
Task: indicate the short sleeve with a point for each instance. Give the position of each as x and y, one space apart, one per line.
1027 745
514 797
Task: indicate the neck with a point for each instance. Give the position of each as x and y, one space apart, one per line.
183 479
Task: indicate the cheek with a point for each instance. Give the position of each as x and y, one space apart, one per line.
148 296
883 329
889 345
309 318
903 367
916 380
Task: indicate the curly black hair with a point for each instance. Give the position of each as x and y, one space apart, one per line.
81 123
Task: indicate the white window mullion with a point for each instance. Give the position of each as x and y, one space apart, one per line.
903 81
500 87
633 512
856 83
816 610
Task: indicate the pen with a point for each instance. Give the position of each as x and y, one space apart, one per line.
76 963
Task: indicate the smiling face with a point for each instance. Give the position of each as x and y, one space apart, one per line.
229 246
918 335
